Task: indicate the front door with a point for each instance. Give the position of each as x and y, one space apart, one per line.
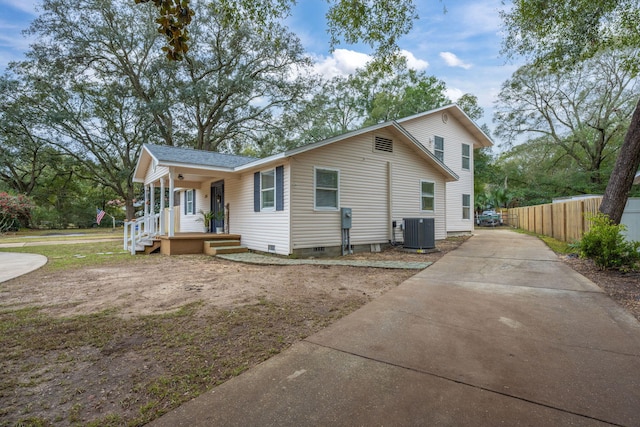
217 205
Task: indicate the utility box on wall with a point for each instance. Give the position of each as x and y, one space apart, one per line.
345 215
419 233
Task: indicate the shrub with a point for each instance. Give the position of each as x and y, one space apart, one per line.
606 245
14 211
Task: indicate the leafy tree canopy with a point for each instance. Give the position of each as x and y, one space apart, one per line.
562 33
377 23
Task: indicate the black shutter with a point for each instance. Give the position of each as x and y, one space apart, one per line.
280 188
194 202
256 192
185 202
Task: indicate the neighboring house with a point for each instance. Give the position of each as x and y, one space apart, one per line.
290 203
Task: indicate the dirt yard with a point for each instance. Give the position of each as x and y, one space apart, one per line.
123 344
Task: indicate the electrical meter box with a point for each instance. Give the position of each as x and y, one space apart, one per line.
345 214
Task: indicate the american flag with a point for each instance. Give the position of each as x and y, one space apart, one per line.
99 215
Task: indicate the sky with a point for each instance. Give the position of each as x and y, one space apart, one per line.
460 47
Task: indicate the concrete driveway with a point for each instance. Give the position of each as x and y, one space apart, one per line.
498 332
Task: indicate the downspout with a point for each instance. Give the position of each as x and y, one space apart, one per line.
390 230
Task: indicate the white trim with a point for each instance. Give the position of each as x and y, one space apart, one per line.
315 188
468 157
440 150
192 211
469 207
433 195
274 189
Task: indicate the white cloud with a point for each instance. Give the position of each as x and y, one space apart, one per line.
453 93
341 62
345 61
28 6
453 61
413 62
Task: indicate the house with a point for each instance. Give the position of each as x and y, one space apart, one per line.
291 203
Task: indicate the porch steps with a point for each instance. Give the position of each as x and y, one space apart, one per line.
147 246
219 247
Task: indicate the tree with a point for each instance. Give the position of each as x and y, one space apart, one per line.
236 78
562 33
539 170
24 155
378 23
100 88
469 104
584 110
334 107
405 93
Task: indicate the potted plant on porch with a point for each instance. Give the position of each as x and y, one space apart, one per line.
219 216
206 218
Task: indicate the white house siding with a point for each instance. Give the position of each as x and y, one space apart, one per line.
363 186
153 176
193 223
424 129
407 174
258 230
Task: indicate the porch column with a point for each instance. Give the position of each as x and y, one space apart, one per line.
163 229
152 208
146 209
172 221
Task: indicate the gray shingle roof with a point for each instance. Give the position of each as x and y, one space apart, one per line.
165 153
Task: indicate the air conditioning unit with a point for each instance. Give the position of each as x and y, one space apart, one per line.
419 233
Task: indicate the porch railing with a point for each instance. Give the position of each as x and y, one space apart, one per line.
140 229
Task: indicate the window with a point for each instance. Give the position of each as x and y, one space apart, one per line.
466 206
466 157
427 193
438 147
190 202
326 189
268 189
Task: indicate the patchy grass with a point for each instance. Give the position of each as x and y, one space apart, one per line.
78 255
27 235
70 363
558 246
108 369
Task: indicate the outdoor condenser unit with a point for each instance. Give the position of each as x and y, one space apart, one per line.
419 233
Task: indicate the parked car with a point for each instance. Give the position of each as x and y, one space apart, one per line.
489 218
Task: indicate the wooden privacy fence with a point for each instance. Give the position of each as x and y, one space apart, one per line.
565 221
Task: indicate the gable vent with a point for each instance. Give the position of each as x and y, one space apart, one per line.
383 144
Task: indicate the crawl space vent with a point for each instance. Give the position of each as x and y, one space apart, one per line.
318 249
383 144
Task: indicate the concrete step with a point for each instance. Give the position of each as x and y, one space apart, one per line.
226 250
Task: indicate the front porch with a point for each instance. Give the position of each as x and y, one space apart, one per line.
194 243
147 235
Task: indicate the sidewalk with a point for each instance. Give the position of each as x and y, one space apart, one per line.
497 332
16 264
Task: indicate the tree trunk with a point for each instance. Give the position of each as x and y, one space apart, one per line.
621 180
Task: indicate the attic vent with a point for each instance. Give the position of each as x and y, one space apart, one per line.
383 144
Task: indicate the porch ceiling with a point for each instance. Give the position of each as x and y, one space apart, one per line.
192 177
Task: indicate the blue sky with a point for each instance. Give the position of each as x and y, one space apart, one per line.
460 47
